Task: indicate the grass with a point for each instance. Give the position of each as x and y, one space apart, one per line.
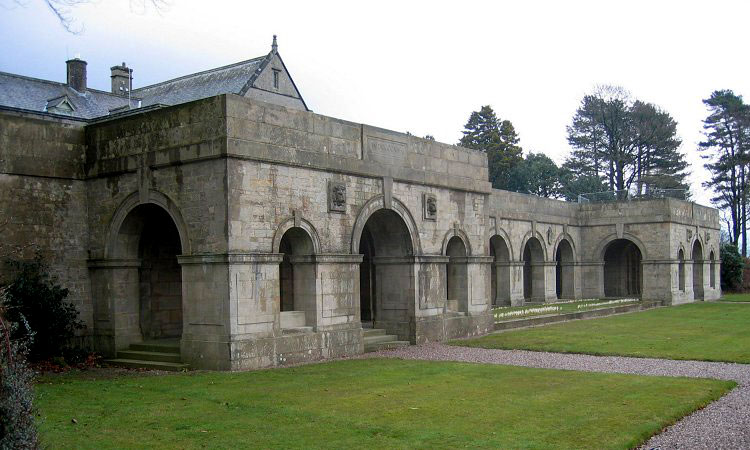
736 298
377 403
698 331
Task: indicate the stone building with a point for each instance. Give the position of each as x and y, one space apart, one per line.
217 210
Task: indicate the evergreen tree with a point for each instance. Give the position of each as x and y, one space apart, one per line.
624 142
536 174
485 132
726 149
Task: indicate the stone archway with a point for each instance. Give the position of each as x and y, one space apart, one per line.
150 239
564 270
457 287
697 270
500 278
533 270
296 279
623 272
387 292
681 269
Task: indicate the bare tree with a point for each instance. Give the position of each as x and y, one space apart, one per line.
64 10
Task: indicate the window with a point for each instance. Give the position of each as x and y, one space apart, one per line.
276 78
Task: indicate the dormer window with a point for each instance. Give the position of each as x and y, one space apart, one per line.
276 78
60 105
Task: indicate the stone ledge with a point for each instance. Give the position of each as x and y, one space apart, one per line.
547 320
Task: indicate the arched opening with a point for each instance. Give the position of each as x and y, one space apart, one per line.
386 278
533 270
681 269
564 264
148 234
500 271
712 270
457 289
297 279
622 269
697 270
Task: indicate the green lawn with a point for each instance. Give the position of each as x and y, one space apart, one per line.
736 298
380 403
700 331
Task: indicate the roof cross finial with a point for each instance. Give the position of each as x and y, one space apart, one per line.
274 46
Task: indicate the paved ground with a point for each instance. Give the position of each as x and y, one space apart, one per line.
723 424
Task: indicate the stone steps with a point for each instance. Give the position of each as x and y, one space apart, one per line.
153 355
150 356
376 339
143 364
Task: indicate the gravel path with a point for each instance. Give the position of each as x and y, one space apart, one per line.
722 424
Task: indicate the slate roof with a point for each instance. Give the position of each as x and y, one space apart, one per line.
17 91
230 79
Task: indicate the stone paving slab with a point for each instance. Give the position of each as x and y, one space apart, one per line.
722 424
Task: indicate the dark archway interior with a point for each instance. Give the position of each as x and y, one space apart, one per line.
386 283
622 269
294 242
149 232
681 269
533 270
457 289
697 270
564 274
500 280
712 270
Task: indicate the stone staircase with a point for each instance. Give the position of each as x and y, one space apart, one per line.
376 339
163 354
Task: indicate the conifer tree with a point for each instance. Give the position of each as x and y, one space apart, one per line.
486 132
727 150
625 142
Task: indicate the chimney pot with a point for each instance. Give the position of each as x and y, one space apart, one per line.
76 74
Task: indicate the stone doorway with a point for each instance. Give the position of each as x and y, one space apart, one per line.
149 237
623 273
564 270
386 278
297 280
533 271
500 278
697 270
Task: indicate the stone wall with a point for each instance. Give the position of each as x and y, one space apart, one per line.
43 199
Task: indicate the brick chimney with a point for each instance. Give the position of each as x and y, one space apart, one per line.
122 77
77 74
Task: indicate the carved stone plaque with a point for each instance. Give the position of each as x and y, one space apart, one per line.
336 196
430 207
689 235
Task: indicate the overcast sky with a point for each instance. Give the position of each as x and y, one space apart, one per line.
418 67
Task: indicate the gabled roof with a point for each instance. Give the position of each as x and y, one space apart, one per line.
33 94
17 91
229 79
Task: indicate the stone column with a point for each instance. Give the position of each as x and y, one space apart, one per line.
516 282
115 292
503 273
550 280
592 275
480 297
655 274
230 303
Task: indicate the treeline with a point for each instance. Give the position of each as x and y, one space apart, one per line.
618 144
726 149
